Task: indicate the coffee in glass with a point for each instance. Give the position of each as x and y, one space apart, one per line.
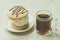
43 22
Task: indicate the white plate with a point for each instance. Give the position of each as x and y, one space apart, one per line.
8 27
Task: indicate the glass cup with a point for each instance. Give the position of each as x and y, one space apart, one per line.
43 22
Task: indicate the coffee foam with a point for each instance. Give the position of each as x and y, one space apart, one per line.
44 19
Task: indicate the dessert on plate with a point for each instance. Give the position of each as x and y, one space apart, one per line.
19 17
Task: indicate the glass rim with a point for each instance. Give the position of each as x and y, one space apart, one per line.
45 11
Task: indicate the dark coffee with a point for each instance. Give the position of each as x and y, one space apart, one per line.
43 27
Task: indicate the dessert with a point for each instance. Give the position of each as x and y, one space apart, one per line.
19 17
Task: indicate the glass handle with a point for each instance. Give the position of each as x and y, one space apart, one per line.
56 24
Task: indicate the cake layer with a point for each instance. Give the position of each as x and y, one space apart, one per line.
20 27
17 12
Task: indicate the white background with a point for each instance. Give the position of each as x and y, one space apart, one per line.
33 6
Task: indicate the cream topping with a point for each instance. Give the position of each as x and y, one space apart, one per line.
21 22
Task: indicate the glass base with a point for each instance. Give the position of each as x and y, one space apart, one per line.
48 33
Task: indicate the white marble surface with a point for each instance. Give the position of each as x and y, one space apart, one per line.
33 6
